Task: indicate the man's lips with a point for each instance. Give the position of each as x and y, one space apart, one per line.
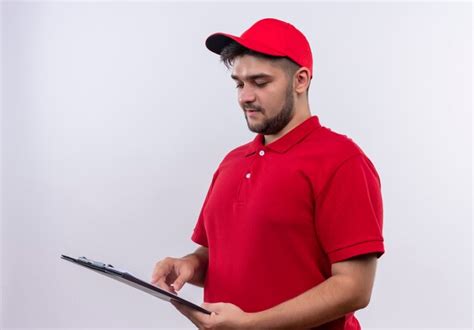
251 112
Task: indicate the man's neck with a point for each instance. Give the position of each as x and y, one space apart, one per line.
299 117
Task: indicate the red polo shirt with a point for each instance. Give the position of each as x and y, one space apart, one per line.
277 216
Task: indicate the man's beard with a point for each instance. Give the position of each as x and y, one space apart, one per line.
275 124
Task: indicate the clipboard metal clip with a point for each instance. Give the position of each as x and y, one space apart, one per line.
94 263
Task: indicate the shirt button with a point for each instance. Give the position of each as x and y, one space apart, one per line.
261 153
247 176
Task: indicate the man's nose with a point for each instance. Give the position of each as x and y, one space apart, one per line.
246 95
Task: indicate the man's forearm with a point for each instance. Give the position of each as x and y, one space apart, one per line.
200 258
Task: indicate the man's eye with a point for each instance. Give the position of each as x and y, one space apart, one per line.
261 83
239 85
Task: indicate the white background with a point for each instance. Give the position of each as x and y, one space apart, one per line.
115 116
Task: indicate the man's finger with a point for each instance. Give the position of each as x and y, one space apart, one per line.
215 308
161 270
163 285
184 276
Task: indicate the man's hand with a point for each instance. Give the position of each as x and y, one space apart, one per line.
171 273
224 316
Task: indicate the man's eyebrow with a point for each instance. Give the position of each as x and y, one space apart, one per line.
251 77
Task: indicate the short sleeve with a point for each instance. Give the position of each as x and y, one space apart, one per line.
349 211
199 235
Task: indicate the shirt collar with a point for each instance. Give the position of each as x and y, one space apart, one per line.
288 140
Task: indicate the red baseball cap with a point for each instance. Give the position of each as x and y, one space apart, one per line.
268 36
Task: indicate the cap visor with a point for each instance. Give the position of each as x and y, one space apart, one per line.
218 41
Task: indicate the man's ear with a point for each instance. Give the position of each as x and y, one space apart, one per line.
302 80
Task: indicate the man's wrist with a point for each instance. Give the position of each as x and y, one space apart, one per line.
193 259
266 319
253 321
198 262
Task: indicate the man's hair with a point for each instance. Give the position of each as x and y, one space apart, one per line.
234 50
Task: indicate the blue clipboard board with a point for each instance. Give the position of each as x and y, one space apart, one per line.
126 278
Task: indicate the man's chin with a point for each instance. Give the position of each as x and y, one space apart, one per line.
255 125
255 128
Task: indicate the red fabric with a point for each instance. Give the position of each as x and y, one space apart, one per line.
277 216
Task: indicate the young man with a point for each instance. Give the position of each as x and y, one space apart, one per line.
291 227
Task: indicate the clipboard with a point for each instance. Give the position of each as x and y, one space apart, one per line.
126 278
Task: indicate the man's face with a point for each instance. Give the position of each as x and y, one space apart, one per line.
265 93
